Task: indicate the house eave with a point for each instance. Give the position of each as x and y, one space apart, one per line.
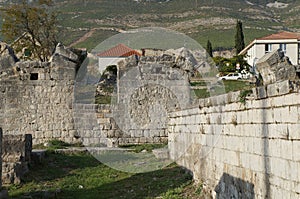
244 51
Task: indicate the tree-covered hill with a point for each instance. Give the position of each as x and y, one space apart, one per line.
96 20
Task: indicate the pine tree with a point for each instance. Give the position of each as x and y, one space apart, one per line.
209 48
239 37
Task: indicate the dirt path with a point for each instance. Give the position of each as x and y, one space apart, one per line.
84 37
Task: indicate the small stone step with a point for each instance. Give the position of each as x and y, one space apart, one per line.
38 155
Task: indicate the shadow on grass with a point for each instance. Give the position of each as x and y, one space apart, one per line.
58 165
146 185
82 176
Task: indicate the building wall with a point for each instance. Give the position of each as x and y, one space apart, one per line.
257 51
108 61
242 151
292 53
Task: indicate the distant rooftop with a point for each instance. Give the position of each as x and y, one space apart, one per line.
281 35
120 50
276 36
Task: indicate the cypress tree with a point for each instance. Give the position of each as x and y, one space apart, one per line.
209 48
239 37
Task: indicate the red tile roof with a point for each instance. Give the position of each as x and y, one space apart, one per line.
281 35
276 36
119 51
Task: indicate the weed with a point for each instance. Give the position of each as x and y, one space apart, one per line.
243 95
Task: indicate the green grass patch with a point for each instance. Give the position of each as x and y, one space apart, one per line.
82 176
225 38
141 147
68 37
96 39
228 86
201 93
235 85
102 99
199 83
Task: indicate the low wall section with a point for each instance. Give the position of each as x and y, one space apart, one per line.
96 126
16 155
238 150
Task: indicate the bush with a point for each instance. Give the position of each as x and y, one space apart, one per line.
227 65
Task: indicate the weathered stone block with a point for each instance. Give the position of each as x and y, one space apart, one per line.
293 130
286 149
296 149
278 88
16 153
275 67
259 92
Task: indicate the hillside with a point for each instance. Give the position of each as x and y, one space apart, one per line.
85 23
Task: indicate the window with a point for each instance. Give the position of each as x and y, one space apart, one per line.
268 48
34 76
282 47
27 52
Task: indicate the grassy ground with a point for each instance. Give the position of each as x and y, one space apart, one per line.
82 176
229 86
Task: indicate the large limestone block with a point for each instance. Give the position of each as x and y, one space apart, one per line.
275 67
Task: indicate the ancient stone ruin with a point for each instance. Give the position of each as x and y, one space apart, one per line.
37 97
147 90
16 155
218 138
36 105
275 67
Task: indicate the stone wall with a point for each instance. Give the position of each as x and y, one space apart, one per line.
97 127
147 89
36 98
44 98
16 154
241 150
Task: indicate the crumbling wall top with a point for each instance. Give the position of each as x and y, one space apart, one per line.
275 67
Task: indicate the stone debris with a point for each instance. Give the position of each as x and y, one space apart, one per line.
16 155
275 67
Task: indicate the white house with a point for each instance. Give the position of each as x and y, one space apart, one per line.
288 42
114 55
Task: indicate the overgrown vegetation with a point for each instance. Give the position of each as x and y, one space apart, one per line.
226 65
243 95
106 85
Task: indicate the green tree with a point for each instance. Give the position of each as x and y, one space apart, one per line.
239 37
33 25
209 48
